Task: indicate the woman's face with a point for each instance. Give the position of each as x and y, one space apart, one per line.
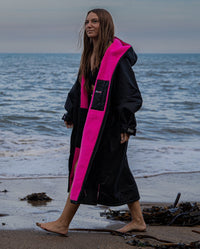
92 25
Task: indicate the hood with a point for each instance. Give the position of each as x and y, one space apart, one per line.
130 54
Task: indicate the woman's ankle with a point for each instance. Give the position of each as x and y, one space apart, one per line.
62 222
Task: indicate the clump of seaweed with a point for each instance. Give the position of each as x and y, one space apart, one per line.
122 215
184 214
4 191
36 197
138 242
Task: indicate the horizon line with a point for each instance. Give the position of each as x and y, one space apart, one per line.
78 53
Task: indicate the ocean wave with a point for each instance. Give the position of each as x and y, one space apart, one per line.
33 152
180 131
23 146
35 142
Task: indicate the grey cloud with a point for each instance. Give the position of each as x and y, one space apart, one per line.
142 22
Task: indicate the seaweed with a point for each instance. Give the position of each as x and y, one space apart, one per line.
37 198
140 243
4 191
184 214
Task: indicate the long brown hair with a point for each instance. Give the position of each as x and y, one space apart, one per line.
105 37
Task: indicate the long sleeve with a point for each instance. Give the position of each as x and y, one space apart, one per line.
72 102
128 97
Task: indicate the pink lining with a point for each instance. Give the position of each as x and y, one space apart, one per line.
76 155
84 95
95 117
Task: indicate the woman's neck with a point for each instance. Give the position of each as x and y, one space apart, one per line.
94 53
95 45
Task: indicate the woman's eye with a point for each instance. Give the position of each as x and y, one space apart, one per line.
92 21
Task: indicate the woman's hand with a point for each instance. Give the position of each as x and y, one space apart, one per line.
124 137
68 125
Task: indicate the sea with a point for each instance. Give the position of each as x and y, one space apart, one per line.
35 143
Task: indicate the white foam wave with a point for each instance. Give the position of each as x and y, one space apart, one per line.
15 145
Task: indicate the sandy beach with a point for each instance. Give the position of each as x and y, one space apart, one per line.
17 220
32 239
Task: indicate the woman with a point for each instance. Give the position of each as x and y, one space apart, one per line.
100 108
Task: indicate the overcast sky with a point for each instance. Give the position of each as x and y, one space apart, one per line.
53 25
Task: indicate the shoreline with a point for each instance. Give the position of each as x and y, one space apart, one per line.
64 176
23 215
18 229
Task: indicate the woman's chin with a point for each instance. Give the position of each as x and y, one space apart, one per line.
91 35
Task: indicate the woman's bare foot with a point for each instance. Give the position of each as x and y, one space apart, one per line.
54 227
133 226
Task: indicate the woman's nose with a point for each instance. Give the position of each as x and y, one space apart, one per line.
89 24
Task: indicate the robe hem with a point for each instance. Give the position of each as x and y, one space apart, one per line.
106 203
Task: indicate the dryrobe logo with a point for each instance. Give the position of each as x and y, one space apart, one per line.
97 91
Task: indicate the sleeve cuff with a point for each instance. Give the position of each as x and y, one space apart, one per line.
67 118
131 131
128 130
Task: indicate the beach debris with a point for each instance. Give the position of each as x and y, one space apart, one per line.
142 243
36 197
122 215
184 214
146 236
99 230
177 200
195 231
4 191
2 215
117 233
145 240
137 242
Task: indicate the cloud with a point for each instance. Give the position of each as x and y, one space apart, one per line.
144 22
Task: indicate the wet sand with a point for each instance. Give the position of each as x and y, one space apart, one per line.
32 239
17 218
